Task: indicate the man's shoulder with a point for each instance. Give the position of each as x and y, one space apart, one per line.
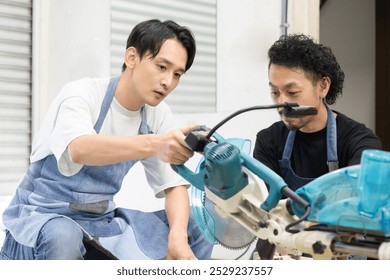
349 129
345 123
353 137
342 118
89 89
87 83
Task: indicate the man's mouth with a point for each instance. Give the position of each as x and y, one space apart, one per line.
162 93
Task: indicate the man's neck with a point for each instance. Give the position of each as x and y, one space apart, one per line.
124 95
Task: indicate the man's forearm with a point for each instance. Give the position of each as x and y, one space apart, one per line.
107 149
177 207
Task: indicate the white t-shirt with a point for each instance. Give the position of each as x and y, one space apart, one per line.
74 113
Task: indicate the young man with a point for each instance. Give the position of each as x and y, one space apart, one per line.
95 131
302 149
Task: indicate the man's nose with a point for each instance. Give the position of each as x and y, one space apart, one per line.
166 81
282 98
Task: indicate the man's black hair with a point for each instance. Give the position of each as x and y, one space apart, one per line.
317 60
150 35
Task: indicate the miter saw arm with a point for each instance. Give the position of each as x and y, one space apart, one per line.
277 186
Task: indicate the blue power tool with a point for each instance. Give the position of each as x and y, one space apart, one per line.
237 199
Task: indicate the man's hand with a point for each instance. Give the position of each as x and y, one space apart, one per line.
177 207
174 149
178 248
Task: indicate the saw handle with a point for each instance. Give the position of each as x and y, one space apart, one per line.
197 139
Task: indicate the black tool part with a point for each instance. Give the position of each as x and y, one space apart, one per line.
197 140
265 249
298 112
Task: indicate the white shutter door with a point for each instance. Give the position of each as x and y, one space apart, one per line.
15 91
197 89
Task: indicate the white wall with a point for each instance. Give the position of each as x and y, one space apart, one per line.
348 27
71 39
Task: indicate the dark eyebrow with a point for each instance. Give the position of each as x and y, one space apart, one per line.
271 85
162 59
287 86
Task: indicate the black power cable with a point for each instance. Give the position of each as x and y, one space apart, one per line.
281 105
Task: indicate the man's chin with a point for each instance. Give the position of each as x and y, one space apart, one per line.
154 103
290 125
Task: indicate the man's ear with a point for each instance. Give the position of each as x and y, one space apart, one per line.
324 86
130 57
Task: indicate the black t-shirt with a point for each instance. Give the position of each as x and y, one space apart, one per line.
309 155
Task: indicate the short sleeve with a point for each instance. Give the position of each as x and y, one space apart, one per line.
74 119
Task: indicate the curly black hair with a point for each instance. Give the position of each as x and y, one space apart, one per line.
317 60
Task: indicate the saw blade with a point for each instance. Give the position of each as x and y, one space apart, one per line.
218 227
203 219
227 231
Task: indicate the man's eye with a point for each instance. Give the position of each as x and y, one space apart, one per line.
274 94
177 75
293 93
162 67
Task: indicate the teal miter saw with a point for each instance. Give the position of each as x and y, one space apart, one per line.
338 215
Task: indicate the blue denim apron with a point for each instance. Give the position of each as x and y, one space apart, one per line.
293 180
87 199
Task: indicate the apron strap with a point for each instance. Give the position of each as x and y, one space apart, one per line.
331 141
109 96
144 127
289 144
